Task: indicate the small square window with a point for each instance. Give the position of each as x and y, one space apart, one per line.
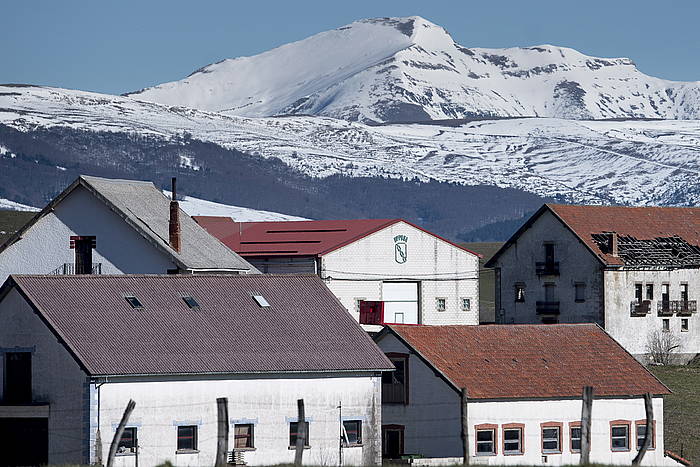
441 304
519 292
466 304
551 439
191 302
134 302
666 325
127 443
641 431
684 325
243 436
294 431
352 432
575 439
512 441
620 437
485 442
187 438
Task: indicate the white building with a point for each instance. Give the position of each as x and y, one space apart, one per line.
105 226
633 271
403 273
524 386
76 348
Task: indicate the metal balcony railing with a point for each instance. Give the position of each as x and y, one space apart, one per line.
69 268
638 308
547 308
680 307
547 269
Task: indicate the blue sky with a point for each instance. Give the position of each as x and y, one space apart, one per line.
114 47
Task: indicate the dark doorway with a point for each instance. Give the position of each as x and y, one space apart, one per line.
392 441
24 441
18 378
83 254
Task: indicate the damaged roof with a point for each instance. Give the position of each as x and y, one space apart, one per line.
229 331
529 361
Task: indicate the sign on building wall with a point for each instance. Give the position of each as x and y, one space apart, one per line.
400 248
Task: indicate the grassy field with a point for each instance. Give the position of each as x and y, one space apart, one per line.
682 410
486 279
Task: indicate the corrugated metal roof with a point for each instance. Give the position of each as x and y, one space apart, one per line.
530 361
304 329
296 238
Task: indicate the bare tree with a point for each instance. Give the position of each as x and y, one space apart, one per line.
661 345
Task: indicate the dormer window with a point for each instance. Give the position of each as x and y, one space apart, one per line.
191 302
134 302
261 301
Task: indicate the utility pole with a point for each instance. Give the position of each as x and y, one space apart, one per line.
586 411
301 433
222 431
342 432
120 430
465 428
649 433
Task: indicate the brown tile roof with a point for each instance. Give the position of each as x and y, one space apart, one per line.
643 223
530 361
305 329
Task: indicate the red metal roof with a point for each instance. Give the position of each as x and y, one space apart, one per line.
530 361
295 238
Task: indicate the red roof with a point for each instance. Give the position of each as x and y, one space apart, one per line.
530 361
643 223
294 238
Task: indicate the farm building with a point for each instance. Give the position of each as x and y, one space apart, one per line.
381 270
635 271
76 348
107 226
524 385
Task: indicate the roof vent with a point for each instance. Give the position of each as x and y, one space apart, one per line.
191 302
260 300
134 302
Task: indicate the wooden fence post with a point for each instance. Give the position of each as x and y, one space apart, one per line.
120 430
465 428
221 431
649 434
301 433
586 412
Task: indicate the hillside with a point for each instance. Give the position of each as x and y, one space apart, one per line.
409 69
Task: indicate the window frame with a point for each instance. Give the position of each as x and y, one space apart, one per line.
685 325
548 426
467 301
520 427
617 424
579 286
573 426
133 450
519 289
665 325
404 357
346 441
250 437
494 440
643 423
441 304
293 445
180 449
649 291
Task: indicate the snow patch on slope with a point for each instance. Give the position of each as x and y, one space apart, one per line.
6 204
200 207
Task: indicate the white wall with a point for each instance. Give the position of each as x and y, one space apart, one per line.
633 331
46 245
358 269
56 379
268 402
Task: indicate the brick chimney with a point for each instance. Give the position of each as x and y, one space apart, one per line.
174 224
612 244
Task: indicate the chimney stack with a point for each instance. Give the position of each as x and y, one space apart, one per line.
174 224
612 244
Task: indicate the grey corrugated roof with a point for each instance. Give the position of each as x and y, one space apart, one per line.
146 208
305 328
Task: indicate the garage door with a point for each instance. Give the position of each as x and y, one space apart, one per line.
400 302
24 441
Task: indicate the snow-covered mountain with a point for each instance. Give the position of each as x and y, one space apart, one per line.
637 162
201 207
409 69
8 205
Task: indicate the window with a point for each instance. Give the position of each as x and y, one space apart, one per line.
18 378
358 303
440 304
549 253
134 302
666 325
243 436
294 431
580 292
261 301
638 293
466 304
575 436
486 440
128 442
551 438
191 302
620 436
650 292
641 428
395 383
187 438
513 439
665 295
684 293
520 292
684 325
352 432
83 246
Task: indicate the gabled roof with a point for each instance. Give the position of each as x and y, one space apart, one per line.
639 223
146 209
295 238
228 333
529 361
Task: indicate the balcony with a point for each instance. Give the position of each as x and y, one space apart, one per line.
679 307
547 308
642 308
69 268
547 269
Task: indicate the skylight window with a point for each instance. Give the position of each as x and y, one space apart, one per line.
260 300
191 302
134 302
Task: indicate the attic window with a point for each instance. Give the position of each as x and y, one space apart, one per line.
134 302
191 302
260 300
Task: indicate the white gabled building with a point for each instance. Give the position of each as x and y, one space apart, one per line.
403 273
524 386
75 349
108 226
635 271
